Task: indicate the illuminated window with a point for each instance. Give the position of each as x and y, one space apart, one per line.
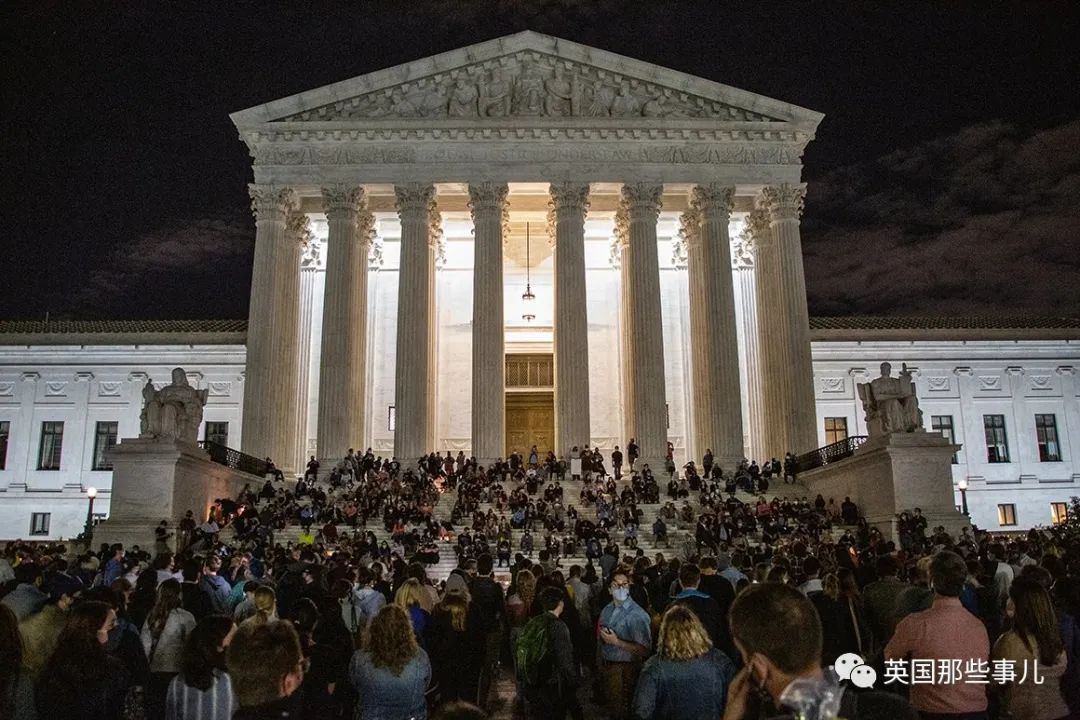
835 430
104 438
1059 513
1047 437
944 425
997 444
52 445
391 417
1006 515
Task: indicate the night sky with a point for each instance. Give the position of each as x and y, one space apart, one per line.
945 178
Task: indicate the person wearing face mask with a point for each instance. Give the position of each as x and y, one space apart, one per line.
778 635
625 641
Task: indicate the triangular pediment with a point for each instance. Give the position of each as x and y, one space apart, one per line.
526 75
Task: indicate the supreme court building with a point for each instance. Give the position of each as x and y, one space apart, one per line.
528 160
533 242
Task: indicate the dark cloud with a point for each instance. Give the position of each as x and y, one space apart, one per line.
981 221
192 269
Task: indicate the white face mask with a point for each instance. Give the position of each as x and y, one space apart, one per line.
621 594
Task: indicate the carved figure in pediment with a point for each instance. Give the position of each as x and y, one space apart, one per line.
495 95
529 94
405 108
463 100
562 94
625 104
601 100
380 107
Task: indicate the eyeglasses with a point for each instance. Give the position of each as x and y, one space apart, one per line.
620 585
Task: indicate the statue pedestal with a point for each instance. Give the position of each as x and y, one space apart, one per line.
161 479
892 473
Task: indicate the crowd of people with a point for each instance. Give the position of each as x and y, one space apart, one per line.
750 611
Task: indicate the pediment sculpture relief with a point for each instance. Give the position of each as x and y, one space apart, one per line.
526 84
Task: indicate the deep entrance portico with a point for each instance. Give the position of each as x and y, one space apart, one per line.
532 128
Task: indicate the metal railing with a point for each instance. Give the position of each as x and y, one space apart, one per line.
829 453
234 458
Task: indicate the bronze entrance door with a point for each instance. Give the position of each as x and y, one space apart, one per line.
530 420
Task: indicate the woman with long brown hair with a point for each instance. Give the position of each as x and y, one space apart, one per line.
519 603
80 681
1034 637
391 672
687 677
164 635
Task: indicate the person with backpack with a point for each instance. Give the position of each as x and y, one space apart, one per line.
544 660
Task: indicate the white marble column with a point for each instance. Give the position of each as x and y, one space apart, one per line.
308 273
412 382
566 226
744 267
636 225
272 357
784 323
487 202
714 341
343 358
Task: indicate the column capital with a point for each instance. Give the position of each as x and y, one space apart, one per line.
487 197
342 202
783 202
642 201
271 202
570 202
298 227
713 200
415 200
689 236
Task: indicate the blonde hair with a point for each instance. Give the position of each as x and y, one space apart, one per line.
390 640
830 585
682 636
457 607
265 601
411 594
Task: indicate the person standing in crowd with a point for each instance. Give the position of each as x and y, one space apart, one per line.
41 631
687 677
944 632
217 588
266 667
626 640
488 610
164 635
1034 640
457 648
80 681
544 660
701 604
203 690
391 672
778 635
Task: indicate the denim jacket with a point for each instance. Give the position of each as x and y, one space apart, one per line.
385 696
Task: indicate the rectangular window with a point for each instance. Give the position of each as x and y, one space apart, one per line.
104 440
391 417
1059 513
997 445
39 523
217 432
5 432
943 424
835 429
1047 437
52 443
1006 515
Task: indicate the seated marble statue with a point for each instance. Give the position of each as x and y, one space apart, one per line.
890 403
174 411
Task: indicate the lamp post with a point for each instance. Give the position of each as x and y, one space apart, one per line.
91 493
962 485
